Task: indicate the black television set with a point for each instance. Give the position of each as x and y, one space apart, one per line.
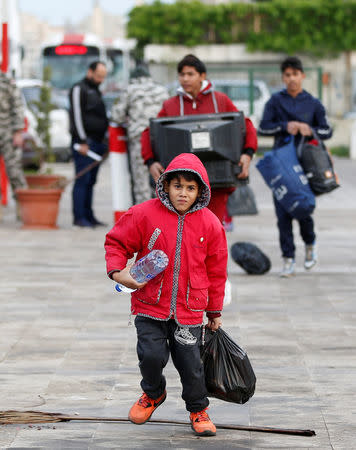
217 139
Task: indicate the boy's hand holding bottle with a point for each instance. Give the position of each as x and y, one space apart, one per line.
124 278
137 275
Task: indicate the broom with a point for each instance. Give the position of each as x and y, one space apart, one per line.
11 417
62 183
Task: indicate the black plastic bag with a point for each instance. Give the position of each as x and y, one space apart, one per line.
242 202
317 165
228 372
250 258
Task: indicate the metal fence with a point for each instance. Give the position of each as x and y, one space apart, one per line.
269 75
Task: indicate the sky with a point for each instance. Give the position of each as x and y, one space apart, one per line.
57 12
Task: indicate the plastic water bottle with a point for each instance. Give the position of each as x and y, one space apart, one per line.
146 268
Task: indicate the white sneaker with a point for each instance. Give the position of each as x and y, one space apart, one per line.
311 256
288 268
227 296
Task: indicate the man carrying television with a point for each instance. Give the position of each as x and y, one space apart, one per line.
196 95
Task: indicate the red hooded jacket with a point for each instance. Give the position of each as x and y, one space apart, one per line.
207 101
194 280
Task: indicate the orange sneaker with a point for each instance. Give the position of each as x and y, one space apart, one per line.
201 424
142 410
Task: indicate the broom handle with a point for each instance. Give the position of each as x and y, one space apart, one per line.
179 422
84 171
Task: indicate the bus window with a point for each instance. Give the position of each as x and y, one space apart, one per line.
68 63
116 73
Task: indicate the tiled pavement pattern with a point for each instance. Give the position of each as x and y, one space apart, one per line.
65 345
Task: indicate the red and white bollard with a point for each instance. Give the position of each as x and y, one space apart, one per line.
120 173
3 182
4 68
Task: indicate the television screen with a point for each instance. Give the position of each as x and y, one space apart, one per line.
217 139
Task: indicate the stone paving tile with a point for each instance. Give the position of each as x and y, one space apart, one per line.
65 345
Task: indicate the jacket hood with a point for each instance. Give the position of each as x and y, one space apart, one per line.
190 163
206 88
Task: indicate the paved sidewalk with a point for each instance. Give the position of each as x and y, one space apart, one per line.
65 345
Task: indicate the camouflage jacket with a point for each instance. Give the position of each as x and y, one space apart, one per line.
139 103
11 105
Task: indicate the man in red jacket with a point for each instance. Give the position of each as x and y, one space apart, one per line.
196 95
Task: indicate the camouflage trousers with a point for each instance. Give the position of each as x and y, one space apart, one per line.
139 172
13 162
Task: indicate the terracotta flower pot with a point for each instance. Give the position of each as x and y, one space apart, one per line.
43 180
39 207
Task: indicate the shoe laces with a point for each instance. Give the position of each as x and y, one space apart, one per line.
201 416
145 401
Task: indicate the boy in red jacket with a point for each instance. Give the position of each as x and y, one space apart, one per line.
169 308
196 95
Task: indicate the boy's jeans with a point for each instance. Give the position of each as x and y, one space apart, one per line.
155 340
285 228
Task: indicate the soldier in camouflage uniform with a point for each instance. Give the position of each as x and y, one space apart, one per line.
11 124
141 101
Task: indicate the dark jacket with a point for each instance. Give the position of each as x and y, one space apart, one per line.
87 112
194 280
282 108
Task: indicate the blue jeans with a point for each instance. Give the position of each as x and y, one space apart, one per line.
285 227
82 193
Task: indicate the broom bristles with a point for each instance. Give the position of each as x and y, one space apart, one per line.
18 417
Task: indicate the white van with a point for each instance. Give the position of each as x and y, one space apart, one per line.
239 92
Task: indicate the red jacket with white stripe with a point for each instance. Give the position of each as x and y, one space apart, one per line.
194 280
207 101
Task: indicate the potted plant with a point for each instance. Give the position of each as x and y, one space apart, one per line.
39 203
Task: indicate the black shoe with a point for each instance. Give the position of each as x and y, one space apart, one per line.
83 223
97 223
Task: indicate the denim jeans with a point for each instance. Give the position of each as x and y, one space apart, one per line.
82 193
155 341
285 227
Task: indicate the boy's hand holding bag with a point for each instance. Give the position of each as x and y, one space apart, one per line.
228 372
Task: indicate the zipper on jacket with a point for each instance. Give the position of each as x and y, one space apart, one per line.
194 104
176 268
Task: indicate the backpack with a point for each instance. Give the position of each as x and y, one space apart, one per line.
283 174
317 165
250 258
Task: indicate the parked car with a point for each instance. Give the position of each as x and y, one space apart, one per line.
59 127
239 92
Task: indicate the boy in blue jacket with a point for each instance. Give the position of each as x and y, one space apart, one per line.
294 112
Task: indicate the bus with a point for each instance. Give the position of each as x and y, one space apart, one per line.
69 55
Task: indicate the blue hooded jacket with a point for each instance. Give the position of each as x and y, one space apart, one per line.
282 108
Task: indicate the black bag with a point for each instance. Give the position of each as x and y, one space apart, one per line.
317 165
250 258
228 372
242 202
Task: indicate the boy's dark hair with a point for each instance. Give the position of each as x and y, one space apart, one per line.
187 175
292 62
94 65
191 61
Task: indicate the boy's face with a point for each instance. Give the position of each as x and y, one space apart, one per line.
190 80
293 79
182 194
